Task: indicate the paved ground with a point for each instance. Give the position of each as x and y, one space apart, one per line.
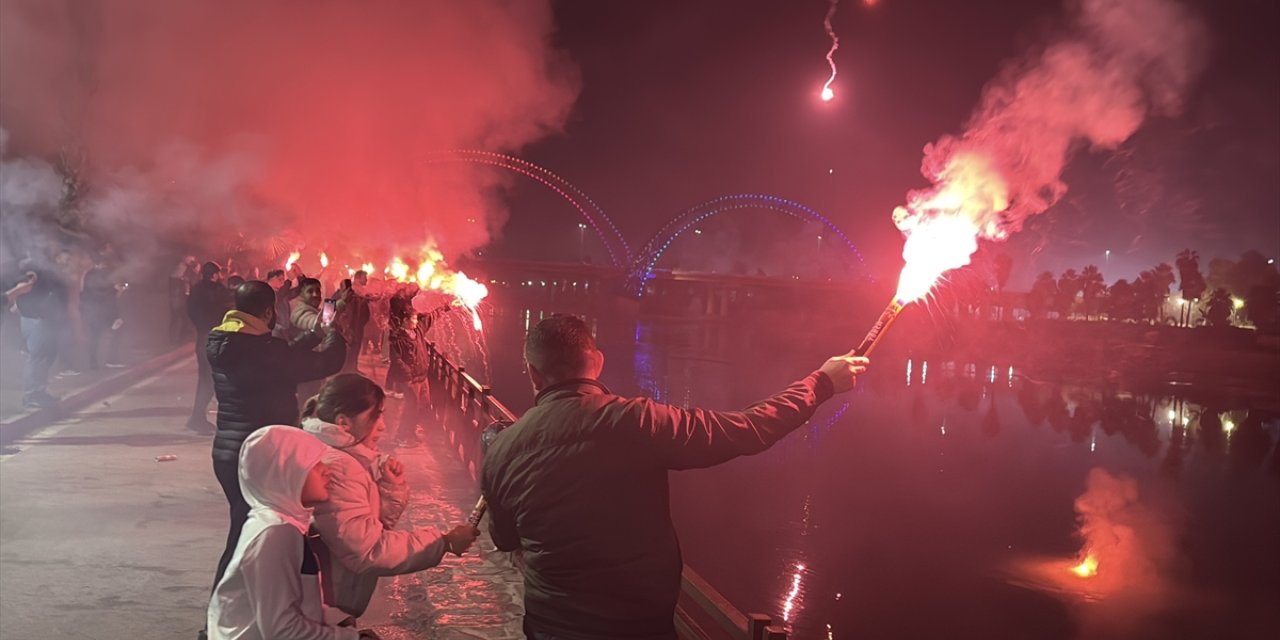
145 318
99 540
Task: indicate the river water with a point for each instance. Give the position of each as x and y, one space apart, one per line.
939 498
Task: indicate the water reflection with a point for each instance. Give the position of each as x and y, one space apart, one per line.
889 513
1150 422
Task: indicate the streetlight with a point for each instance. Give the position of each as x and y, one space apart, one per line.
1108 258
582 242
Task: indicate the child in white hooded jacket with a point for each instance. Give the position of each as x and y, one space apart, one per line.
271 589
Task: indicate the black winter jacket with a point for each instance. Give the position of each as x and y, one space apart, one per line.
256 380
580 483
206 304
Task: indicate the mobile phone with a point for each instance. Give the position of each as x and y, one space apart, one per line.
326 312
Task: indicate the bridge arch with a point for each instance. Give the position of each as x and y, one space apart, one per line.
647 257
615 245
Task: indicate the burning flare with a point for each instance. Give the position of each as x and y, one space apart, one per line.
432 274
324 260
1087 568
942 224
827 92
293 258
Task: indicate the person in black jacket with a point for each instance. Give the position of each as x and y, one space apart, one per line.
206 303
256 376
579 483
407 372
100 313
355 293
42 300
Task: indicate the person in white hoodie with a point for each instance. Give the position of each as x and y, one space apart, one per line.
358 542
271 589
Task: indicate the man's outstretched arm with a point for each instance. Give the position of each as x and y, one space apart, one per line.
695 438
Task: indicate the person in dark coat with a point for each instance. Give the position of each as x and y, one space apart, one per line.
284 296
208 301
42 299
579 483
100 314
356 295
256 376
179 287
407 373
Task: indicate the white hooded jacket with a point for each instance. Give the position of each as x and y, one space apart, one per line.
271 589
358 542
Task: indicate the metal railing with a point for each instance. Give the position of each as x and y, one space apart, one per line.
464 407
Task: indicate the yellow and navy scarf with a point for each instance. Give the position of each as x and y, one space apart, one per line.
241 322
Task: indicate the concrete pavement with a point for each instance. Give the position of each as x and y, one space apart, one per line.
99 540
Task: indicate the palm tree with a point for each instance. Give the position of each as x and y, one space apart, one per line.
1191 281
1092 287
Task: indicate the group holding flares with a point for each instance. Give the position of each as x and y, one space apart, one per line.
430 274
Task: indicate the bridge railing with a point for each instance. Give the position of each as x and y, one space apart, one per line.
464 407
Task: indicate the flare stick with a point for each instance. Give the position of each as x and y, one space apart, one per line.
878 330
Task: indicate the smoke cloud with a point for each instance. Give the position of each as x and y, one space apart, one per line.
1120 62
238 124
1135 546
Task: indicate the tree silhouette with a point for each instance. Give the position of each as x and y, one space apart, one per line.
1191 281
1152 287
1122 301
1218 308
1092 288
1042 295
1068 287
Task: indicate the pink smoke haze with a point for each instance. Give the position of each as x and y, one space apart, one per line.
1121 62
301 121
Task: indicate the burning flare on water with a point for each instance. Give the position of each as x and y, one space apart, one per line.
1087 568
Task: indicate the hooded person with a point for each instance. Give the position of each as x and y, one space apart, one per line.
367 496
271 589
256 377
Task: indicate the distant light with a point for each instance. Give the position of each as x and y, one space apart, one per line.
697 232
830 171
582 226
1228 426
1237 303
827 94
1271 261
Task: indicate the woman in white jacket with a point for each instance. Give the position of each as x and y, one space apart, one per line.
271 588
357 541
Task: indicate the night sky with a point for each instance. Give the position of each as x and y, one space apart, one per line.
683 102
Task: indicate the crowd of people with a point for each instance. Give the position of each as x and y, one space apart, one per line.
65 311
578 484
303 452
